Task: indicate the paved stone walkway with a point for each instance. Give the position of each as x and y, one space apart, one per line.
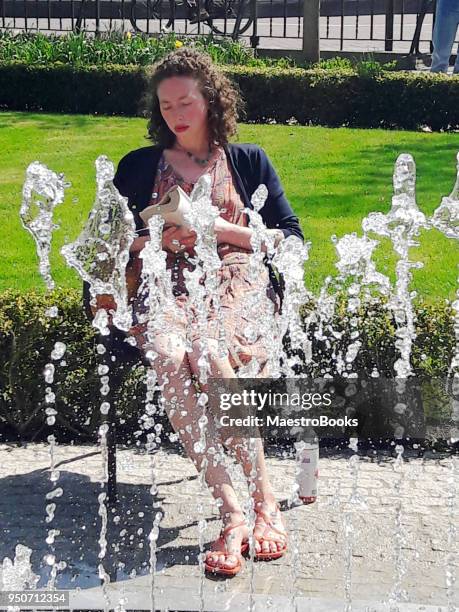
323 563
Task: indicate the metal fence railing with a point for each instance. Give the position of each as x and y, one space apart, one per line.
403 26
226 17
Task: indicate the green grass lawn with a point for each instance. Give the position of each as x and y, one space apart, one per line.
332 177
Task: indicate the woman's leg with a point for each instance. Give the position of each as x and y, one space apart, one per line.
263 494
181 403
446 22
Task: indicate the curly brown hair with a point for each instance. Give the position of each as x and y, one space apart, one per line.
223 98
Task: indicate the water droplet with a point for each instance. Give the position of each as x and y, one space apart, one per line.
104 228
55 493
198 447
50 397
103 429
58 351
48 372
105 407
49 559
202 421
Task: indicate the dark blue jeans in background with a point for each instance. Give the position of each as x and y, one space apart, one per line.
444 34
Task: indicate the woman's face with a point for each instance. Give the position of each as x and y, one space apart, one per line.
184 109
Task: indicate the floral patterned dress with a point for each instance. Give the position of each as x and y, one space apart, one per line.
234 285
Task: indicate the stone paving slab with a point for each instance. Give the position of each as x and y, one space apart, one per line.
366 506
137 595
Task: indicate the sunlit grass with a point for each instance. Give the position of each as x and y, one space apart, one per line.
332 177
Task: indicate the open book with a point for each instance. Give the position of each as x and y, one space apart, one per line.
172 207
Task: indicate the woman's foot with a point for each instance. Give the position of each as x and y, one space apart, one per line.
269 533
224 556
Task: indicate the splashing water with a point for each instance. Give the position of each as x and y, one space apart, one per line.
264 328
48 187
101 252
156 283
17 574
289 260
452 554
100 255
397 593
402 225
355 260
446 216
355 265
202 218
446 220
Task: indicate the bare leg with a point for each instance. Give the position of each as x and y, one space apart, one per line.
263 494
180 398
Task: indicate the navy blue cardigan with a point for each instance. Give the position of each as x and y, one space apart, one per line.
250 165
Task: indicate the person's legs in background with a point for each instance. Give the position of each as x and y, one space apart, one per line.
446 23
456 63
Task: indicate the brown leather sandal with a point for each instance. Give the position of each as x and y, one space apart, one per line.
227 571
268 556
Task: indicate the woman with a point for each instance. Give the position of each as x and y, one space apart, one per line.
193 114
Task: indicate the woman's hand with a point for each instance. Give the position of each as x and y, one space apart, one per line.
222 227
240 236
178 239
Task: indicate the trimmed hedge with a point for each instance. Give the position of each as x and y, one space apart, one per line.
114 90
405 100
27 338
